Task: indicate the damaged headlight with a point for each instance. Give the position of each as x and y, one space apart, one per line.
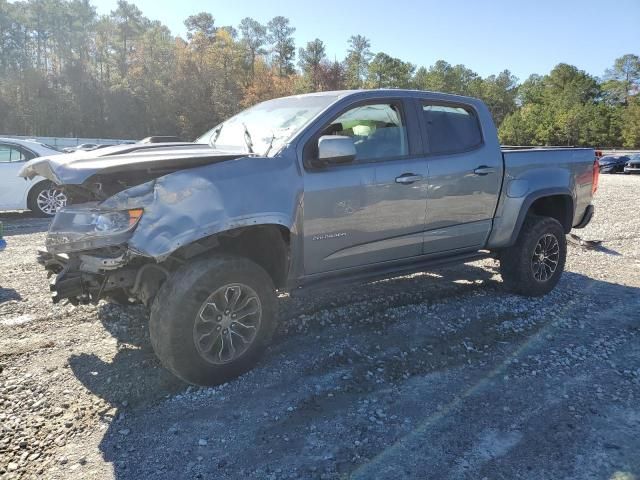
75 229
115 222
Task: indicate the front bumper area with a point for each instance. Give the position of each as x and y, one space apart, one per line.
84 278
89 276
629 169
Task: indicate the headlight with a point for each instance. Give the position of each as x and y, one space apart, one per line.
106 223
82 229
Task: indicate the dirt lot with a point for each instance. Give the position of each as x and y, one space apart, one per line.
440 375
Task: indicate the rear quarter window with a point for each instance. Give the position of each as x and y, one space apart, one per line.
451 129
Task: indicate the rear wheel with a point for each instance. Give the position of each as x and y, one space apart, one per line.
534 265
46 198
213 318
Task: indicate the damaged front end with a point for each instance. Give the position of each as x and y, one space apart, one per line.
87 253
108 272
135 218
87 246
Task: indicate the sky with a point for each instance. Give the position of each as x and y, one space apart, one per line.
524 36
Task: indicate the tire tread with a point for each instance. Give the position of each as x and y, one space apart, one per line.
515 261
172 313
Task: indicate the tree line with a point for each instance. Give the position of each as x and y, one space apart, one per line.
67 71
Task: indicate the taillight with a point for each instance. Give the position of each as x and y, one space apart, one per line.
596 177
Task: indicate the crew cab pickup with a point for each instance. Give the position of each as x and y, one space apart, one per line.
304 192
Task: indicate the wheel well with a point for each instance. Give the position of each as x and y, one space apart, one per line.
266 245
559 207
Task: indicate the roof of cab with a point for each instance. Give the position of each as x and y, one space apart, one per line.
338 94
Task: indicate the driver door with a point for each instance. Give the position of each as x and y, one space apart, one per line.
372 209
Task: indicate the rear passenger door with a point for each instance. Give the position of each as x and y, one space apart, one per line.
465 175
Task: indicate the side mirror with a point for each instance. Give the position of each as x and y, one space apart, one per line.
336 149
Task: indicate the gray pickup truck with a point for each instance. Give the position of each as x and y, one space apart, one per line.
298 193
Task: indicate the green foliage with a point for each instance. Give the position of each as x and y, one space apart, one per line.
202 23
569 86
284 48
357 62
531 90
623 79
65 71
310 62
568 107
389 72
499 93
443 77
631 124
254 38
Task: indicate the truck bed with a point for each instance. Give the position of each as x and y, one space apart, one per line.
545 171
550 166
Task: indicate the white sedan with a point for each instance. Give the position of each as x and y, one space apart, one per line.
39 194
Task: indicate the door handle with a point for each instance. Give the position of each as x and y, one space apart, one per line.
484 170
408 178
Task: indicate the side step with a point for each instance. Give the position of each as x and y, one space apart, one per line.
387 270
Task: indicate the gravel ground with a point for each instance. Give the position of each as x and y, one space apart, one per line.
439 375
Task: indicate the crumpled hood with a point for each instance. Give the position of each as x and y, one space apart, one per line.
76 168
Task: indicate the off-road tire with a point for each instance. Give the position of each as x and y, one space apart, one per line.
516 261
178 303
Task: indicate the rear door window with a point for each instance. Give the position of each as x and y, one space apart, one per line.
451 129
10 154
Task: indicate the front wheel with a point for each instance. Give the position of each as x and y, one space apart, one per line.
534 264
46 199
213 318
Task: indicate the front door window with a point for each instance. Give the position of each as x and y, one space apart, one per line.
377 130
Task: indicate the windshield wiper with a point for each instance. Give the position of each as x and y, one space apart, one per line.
247 138
215 136
273 137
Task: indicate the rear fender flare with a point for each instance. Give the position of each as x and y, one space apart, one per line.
513 210
530 199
